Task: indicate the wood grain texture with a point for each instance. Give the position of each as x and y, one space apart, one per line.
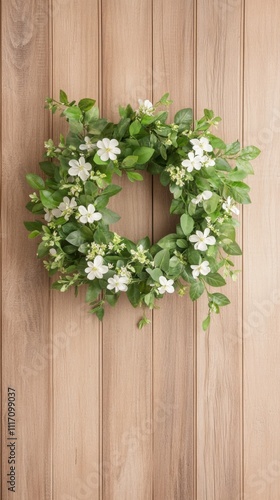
76 367
261 254
173 325
127 352
25 296
219 353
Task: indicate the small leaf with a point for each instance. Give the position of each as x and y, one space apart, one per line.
109 217
86 104
47 199
33 226
154 273
161 260
73 113
249 153
184 117
63 97
187 224
134 176
214 279
75 238
196 290
206 322
144 154
135 128
168 242
100 313
133 294
129 161
232 249
35 181
93 291
220 299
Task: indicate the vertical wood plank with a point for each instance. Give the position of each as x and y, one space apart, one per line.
127 76
219 351
76 367
25 296
173 328
261 253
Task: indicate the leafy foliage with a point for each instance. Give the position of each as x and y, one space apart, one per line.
70 202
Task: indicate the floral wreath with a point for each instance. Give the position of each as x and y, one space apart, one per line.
204 175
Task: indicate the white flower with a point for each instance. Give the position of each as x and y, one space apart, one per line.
206 195
194 162
65 208
80 168
166 285
48 215
108 149
53 252
89 214
201 145
229 206
207 161
201 240
145 107
202 268
96 269
88 146
119 283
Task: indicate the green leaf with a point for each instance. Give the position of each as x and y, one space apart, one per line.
144 154
111 299
154 273
100 313
47 199
232 149
90 188
222 164
216 142
244 166
135 128
249 153
43 249
161 260
184 117
206 322
129 161
48 167
196 290
97 160
93 291
134 176
232 249
109 217
35 181
111 190
168 242
34 234
75 238
182 243
63 97
239 191
219 299
211 204
133 294
33 226
214 279
187 224
73 113
86 104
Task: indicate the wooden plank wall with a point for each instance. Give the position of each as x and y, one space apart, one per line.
103 411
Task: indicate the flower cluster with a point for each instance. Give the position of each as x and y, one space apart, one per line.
73 221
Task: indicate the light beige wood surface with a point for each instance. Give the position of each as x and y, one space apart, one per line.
127 352
77 367
219 354
174 342
25 292
261 254
104 411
